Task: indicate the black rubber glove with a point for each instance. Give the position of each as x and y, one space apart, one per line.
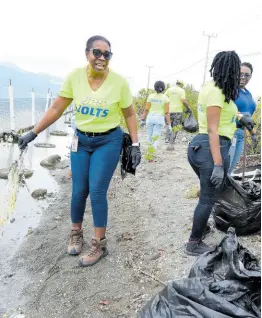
24 140
136 156
254 140
247 122
217 176
188 111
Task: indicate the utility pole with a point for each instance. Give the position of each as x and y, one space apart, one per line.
209 36
148 78
149 73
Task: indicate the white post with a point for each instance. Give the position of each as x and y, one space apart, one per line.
33 107
11 103
47 100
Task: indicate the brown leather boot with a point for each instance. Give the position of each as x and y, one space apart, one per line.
75 242
97 251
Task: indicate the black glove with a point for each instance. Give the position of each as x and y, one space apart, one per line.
254 140
136 156
217 176
188 111
247 122
24 140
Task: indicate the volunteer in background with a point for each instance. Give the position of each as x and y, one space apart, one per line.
177 99
208 151
99 94
246 105
156 110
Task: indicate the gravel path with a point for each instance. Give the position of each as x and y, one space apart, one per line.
149 222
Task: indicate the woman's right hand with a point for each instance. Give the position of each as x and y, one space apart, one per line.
26 139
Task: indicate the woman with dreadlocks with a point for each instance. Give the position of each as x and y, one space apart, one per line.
208 151
157 108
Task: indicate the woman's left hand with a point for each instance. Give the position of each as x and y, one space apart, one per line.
136 156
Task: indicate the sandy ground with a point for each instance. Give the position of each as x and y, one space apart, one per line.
149 223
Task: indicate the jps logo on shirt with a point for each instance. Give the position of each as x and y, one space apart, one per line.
200 108
157 101
234 119
93 107
92 111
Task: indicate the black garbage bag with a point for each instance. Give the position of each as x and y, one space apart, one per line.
222 283
126 160
239 206
190 124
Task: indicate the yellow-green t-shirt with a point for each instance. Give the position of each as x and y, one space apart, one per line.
211 95
175 94
96 111
157 103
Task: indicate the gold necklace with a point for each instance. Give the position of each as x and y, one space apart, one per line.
100 84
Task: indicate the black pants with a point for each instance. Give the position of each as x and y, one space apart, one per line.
176 120
200 159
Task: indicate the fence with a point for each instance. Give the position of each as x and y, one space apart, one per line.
21 114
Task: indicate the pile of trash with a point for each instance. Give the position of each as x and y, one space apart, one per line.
239 206
223 283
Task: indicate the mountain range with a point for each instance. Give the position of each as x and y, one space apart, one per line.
23 82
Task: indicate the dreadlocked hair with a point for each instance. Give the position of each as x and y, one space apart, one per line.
225 70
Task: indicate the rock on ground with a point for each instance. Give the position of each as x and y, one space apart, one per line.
5 171
39 193
44 145
58 133
50 161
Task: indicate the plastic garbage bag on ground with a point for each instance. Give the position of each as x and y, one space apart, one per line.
190 124
239 206
222 283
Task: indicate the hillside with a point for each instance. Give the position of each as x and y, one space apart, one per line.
23 82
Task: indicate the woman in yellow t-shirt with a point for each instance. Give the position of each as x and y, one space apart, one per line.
208 151
99 94
157 108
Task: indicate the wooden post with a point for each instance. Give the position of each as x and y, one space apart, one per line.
11 103
244 155
47 100
33 107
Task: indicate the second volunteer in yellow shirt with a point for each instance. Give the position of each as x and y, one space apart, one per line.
99 95
156 110
177 101
208 151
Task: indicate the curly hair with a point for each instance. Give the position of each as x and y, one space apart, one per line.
159 86
225 70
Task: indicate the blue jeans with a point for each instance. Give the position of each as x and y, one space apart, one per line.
200 159
154 124
93 166
236 149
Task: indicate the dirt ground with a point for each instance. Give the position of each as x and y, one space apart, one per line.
149 223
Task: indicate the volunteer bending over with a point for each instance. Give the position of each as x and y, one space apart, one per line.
246 105
98 93
156 110
208 151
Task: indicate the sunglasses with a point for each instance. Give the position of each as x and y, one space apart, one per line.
245 75
98 53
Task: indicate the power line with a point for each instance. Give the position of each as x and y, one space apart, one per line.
201 60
